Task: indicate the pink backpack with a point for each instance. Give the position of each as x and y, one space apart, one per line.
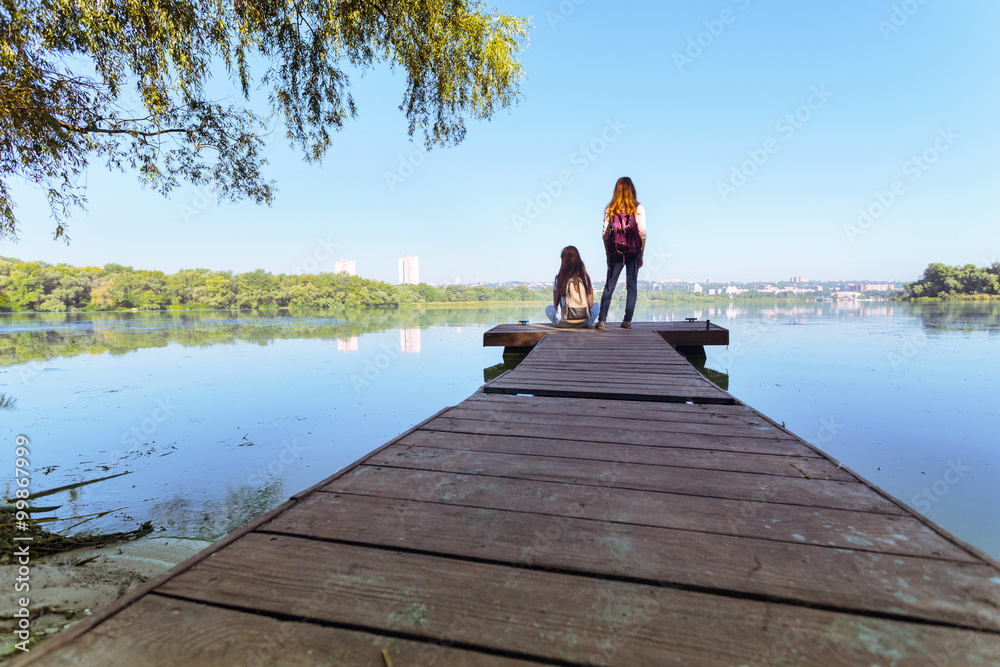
625 234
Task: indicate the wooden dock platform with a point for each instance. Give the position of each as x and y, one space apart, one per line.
674 333
576 511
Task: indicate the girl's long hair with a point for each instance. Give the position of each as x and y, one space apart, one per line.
572 265
623 199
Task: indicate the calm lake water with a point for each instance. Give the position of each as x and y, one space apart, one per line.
219 416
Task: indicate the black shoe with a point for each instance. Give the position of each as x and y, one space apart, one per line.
599 325
626 325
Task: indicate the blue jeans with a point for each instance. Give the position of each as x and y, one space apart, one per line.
631 266
591 318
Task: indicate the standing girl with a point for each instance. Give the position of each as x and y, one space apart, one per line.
572 293
624 241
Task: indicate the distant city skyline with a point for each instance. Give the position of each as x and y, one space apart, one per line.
798 138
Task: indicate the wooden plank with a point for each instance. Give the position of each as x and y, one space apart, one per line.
629 409
688 436
631 344
618 370
636 380
884 533
558 617
599 375
597 419
607 392
660 455
689 481
684 441
597 361
642 392
603 365
606 358
159 630
662 374
859 581
607 384
650 347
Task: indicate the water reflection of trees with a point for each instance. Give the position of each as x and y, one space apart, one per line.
189 517
37 336
40 336
966 316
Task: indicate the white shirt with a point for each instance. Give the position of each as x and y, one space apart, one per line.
640 221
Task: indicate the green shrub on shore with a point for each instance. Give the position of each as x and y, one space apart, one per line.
955 283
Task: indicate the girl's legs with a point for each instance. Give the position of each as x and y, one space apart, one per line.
614 270
550 310
631 286
595 311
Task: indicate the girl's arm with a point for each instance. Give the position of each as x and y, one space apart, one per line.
640 223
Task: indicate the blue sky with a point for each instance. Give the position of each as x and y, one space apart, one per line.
756 134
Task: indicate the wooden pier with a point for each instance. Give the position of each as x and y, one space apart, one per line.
600 504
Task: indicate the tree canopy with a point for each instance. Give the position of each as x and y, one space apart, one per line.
42 287
124 82
948 282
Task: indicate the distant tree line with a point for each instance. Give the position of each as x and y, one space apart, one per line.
37 286
955 282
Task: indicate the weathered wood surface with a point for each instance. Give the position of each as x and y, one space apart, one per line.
558 366
516 529
160 630
846 529
674 333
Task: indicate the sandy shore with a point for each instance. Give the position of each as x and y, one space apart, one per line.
68 587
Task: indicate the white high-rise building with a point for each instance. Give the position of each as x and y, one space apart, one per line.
409 270
347 266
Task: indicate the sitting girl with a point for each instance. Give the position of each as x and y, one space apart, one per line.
572 294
